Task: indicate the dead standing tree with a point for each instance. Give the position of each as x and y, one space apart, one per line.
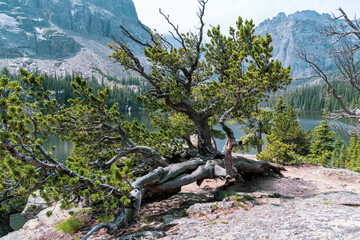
344 52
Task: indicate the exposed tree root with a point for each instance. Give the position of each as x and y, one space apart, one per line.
124 218
249 166
176 175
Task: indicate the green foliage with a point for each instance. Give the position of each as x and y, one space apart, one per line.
70 225
164 140
287 142
352 146
335 156
108 218
29 115
342 157
354 162
194 84
61 89
321 146
243 62
257 124
312 97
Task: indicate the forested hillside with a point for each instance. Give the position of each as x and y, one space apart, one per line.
124 91
312 97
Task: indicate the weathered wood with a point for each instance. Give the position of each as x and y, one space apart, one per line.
147 151
124 218
177 175
249 166
161 175
202 172
230 142
194 142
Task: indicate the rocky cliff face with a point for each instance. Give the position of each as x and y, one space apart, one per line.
299 28
63 35
58 36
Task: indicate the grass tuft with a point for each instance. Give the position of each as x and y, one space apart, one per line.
70 225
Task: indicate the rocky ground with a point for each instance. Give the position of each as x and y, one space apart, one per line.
309 202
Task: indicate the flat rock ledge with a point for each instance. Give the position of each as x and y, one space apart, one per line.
329 215
289 214
342 174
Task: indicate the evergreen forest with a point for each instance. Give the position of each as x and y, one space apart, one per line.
123 91
315 96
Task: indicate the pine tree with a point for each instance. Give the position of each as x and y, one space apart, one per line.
257 125
342 161
336 153
351 149
322 144
354 158
286 139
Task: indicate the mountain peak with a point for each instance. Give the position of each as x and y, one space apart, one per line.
280 17
302 15
310 15
289 31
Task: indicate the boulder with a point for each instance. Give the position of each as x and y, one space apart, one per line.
33 206
43 225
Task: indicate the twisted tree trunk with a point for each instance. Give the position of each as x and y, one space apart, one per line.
164 179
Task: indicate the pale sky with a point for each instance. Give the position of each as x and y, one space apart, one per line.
226 12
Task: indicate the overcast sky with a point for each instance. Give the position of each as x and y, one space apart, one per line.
226 12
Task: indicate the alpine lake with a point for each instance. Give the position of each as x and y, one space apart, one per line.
308 121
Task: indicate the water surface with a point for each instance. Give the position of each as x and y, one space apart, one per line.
308 121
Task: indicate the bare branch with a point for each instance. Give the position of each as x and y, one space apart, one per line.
303 55
138 149
356 31
179 38
130 36
136 66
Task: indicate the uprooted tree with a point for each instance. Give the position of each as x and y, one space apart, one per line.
344 52
195 85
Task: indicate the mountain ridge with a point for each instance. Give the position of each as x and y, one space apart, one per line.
290 31
64 36
59 37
